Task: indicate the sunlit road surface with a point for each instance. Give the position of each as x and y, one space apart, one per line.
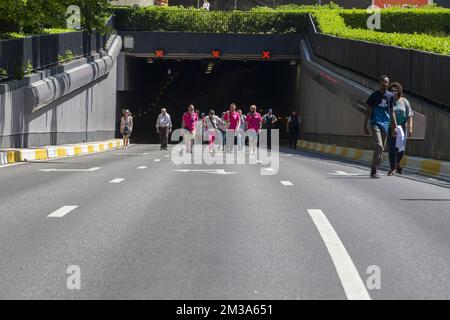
141 227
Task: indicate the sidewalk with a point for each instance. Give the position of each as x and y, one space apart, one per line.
8 156
429 167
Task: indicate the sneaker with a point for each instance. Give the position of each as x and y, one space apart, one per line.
399 170
391 172
374 174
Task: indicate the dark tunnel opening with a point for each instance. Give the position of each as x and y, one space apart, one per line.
174 84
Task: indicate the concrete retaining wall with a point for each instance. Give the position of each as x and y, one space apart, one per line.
77 105
331 104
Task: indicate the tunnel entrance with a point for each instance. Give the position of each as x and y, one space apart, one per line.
174 84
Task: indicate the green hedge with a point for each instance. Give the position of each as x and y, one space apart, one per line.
294 19
332 22
15 35
194 20
426 20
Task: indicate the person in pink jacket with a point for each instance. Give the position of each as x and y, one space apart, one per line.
234 119
188 123
253 123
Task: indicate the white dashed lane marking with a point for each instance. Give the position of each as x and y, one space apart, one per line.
142 168
156 160
348 274
61 212
286 183
117 180
70 170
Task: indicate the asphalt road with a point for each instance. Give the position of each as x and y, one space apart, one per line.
318 229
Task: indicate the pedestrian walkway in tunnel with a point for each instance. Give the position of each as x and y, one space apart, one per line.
207 84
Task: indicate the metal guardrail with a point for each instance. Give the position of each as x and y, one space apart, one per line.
422 73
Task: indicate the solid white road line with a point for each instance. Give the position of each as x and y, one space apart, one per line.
11 164
348 274
61 212
286 183
142 168
117 180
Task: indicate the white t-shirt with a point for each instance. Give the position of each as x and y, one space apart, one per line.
206 6
213 123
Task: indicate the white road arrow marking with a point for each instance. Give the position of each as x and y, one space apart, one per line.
117 180
213 171
222 172
343 173
70 170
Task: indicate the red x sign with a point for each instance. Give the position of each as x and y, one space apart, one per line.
266 54
159 53
215 53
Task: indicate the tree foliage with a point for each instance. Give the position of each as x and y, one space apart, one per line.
33 16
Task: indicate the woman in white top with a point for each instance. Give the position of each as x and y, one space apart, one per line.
212 124
126 127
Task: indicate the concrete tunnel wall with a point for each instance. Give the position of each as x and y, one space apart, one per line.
330 118
85 114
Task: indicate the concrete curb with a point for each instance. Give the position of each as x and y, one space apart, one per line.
51 152
429 167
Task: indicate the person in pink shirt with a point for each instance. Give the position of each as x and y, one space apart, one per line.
254 123
188 123
234 120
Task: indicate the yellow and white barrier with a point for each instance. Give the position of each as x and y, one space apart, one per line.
50 152
436 168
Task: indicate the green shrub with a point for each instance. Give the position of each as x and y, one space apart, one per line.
66 57
56 30
426 20
3 74
11 35
331 22
28 68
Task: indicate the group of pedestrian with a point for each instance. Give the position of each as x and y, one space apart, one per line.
234 122
232 125
390 115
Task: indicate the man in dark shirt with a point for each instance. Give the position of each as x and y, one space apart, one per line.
293 128
380 112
